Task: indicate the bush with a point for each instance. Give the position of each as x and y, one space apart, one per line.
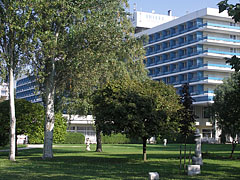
74 138
59 132
119 139
177 138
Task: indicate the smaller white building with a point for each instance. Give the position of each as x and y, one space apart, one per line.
82 124
145 20
4 93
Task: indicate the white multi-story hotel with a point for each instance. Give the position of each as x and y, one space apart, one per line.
191 49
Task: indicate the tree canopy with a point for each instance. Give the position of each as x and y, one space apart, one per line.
141 109
186 114
226 107
77 44
15 40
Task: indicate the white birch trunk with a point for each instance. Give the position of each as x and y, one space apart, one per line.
12 138
49 114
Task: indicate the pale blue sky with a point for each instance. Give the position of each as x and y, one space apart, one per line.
178 7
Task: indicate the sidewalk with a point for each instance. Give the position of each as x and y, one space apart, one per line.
34 146
29 146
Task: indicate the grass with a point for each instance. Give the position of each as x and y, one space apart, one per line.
118 162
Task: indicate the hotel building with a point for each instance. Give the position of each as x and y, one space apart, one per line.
26 89
191 49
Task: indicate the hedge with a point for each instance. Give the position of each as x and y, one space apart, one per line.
119 139
74 138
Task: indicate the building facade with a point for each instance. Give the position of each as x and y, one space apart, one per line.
26 89
191 49
82 124
4 93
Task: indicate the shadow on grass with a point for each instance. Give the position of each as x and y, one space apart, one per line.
75 163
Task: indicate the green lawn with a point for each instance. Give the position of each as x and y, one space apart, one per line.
117 162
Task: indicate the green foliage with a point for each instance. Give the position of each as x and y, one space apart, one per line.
177 138
186 115
226 107
59 133
30 118
119 139
74 138
60 129
30 121
138 109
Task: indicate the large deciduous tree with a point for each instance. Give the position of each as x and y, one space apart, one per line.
75 41
137 109
14 41
226 108
108 50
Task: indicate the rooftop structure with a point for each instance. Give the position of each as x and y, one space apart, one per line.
144 20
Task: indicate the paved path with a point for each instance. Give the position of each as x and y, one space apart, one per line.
29 146
33 146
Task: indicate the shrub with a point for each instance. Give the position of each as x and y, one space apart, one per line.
74 138
60 129
177 138
119 139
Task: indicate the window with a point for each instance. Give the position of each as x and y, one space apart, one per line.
72 128
206 112
194 76
233 37
233 50
4 92
167 56
167 68
232 24
168 80
184 52
184 64
184 39
185 77
207 133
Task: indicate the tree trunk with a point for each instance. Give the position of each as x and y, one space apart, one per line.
144 148
49 113
99 141
12 116
234 145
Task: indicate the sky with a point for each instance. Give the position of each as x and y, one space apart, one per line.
178 7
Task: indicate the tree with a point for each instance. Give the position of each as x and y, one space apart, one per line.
186 114
226 108
14 40
137 109
30 122
111 50
234 12
72 39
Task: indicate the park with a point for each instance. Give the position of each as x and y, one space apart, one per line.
164 100
118 161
